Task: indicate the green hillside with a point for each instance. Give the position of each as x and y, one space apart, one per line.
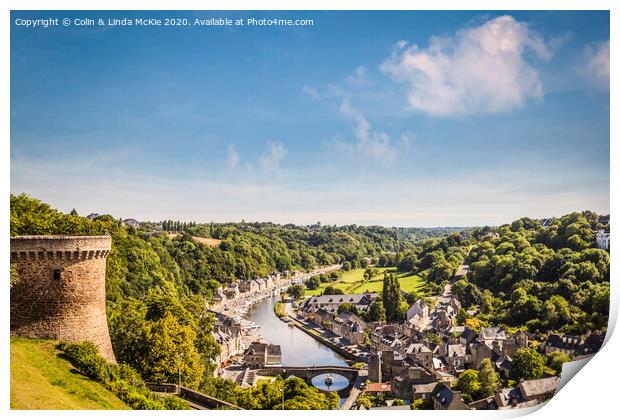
40 380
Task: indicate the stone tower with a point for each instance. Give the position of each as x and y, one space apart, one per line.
59 289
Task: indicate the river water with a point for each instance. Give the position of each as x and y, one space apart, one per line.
298 348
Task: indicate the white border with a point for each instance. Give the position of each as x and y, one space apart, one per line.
591 395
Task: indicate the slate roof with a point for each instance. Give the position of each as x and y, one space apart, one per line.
357 299
468 334
443 395
493 333
567 342
536 387
418 348
455 350
591 344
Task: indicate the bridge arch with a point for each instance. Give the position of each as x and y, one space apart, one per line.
308 372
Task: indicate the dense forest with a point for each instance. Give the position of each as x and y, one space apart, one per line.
541 278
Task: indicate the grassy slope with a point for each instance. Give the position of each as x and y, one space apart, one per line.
40 380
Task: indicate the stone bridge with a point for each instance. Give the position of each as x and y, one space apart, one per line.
308 372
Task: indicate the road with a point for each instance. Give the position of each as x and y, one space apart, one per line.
356 390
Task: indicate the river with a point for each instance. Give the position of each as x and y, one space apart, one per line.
298 348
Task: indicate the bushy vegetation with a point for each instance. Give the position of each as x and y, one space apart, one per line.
121 379
540 278
298 395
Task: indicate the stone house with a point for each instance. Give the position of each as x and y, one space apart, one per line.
566 344
232 291
385 365
331 303
457 357
421 354
131 223
419 308
467 336
259 355
591 344
525 394
261 284
249 286
602 239
350 327
422 391
479 351
445 398
404 384
230 341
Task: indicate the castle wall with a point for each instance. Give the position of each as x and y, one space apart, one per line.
59 292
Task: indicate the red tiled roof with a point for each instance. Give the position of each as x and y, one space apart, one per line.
376 387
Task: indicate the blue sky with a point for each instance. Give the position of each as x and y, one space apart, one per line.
391 118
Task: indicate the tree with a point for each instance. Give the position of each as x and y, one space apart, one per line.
376 312
556 359
468 382
170 348
557 312
489 379
527 364
296 291
391 297
348 307
313 283
330 290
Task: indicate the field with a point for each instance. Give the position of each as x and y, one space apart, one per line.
205 241
350 280
40 380
353 282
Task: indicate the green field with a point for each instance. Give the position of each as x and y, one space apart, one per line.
353 282
40 380
408 283
348 281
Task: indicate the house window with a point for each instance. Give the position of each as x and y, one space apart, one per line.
56 274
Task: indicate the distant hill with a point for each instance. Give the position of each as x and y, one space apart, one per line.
41 380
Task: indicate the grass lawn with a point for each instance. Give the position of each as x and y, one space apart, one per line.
349 278
40 380
408 283
371 286
411 283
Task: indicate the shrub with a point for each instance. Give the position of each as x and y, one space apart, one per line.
121 379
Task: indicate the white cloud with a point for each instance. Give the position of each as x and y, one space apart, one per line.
481 69
271 158
233 157
359 76
369 142
310 91
596 64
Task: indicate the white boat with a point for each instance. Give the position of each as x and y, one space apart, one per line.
329 380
